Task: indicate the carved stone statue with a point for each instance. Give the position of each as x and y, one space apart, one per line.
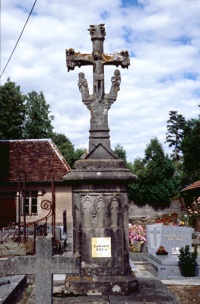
98 103
116 79
83 86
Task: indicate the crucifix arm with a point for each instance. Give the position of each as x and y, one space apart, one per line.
74 59
122 58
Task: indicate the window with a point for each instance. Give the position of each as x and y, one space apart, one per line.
34 205
26 205
31 204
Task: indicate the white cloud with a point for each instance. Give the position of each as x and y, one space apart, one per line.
161 36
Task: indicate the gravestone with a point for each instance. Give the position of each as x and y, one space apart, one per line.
99 184
172 238
153 236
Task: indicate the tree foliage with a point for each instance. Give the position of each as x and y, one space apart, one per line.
175 126
191 151
121 153
12 111
156 183
23 116
67 148
38 120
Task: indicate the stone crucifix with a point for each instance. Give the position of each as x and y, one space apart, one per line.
98 103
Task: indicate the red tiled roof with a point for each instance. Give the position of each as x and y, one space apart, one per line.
39 158
192 186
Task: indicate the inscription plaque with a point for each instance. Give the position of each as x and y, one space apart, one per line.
101 247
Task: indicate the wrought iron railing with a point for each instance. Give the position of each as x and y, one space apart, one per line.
19 238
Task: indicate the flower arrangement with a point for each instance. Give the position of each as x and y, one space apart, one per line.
191 214
194 209
172 220
168 219
136 233
161 250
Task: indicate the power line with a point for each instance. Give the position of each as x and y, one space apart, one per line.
18 38
0 40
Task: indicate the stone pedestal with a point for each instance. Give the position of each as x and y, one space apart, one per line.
100 227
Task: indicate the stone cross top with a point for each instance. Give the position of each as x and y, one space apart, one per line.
98 103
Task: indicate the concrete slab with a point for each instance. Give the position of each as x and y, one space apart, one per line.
185 281
59 277
167 267
11 291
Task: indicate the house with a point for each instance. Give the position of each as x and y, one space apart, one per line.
194 186
190 192
37 167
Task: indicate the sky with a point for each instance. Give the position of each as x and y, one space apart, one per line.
162 38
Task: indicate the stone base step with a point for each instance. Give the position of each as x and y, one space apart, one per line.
101 285
150 291
12 288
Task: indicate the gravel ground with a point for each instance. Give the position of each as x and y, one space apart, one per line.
186 294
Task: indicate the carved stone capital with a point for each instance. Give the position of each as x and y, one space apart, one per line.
97 31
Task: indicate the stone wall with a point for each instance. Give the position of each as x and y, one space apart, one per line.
147 214
64 202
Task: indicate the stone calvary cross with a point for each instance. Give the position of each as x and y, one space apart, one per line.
99 185
98 103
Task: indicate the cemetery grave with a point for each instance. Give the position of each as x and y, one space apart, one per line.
172 238
43 265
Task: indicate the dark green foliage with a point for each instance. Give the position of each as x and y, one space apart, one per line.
23 116
156 183
78 153
38 119
174 135
121 153
191 151
12 111
67 149
188 257
65 146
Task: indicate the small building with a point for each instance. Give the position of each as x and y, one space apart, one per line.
37 167
190 192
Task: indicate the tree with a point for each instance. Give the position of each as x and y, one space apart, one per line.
121 153
191 151
78 153
174 133
67 148
12 111
156 183
38 119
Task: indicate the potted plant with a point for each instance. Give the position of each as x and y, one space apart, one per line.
187 261
137 238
